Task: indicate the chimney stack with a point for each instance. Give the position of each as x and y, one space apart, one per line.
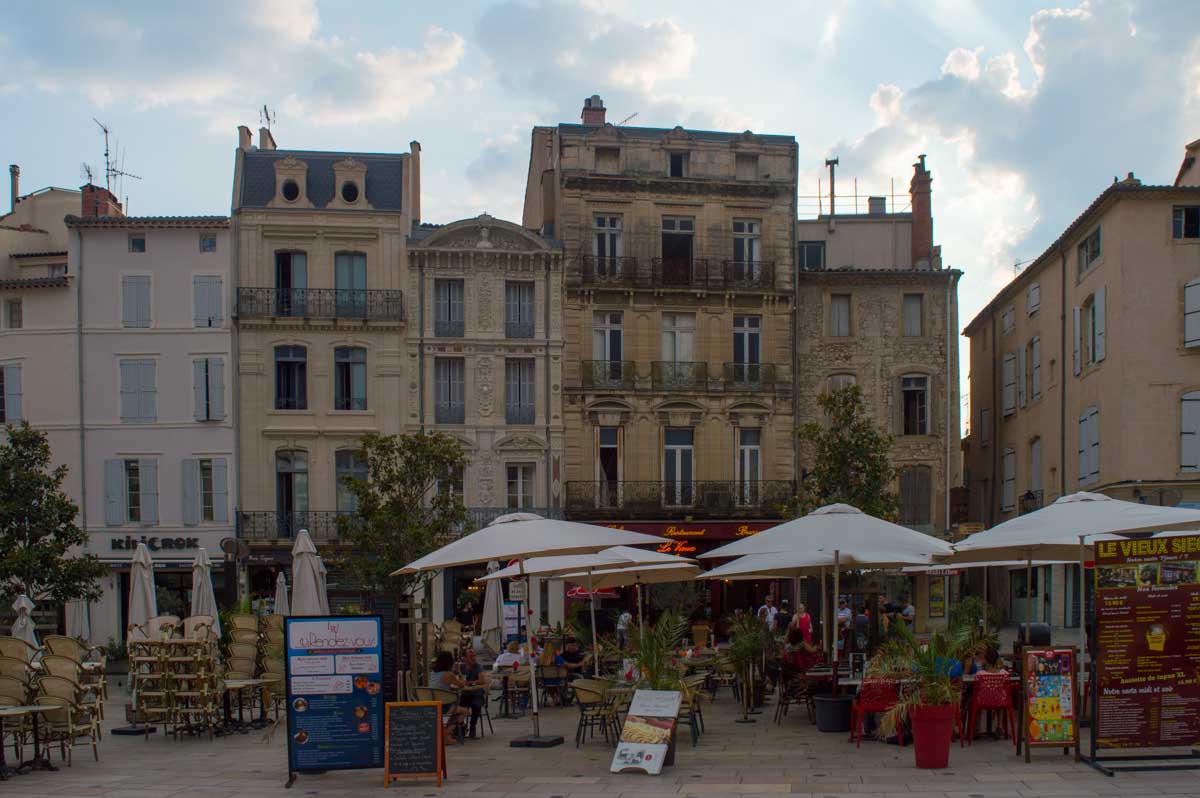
921 190
593 110
876 205
14 177
98 202
245 138
265 140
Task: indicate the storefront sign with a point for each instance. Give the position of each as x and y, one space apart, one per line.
676 547
334 693
647 732
1050 698
696 530
130 543
1147 642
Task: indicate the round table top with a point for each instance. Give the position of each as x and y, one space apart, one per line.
9 711
239 684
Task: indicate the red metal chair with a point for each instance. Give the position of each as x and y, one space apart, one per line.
992 692
874 695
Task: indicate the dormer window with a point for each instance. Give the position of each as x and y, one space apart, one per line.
291 183
678 164
350 192
350 177
291 190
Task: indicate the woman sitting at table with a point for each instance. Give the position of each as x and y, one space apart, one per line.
474 692
552 686
512 657
987 660
446 676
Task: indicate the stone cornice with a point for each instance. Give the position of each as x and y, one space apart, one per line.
674 186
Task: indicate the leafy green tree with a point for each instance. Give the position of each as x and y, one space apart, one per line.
405 508
39 540
851 459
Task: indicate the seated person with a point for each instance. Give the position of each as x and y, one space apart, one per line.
446 676
574 660
474 691
987 660
512 657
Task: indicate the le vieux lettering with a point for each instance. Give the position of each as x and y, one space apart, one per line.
129 543
1148 547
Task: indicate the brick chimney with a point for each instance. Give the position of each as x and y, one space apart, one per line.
593 110
265 140
921 190
98 202
245 138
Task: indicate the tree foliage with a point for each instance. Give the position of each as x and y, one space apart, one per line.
851 459
401 514
39 540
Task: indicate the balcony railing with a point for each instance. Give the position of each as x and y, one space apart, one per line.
1030 500
320 303
758 274
596 270
447 328
277 525
479 517
669 375
518 329
749 376
664 500
680 273
449 413
519 414
609 374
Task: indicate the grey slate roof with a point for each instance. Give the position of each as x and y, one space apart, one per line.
384 177
658 132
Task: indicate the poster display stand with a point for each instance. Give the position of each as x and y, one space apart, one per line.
1049 698
648 732
1145 686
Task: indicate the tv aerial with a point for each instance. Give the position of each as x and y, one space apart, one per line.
114 161
85 172
266 117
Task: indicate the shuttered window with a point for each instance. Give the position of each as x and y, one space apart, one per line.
913 314
10 395
208 389
839 315
519 394
1089 446
1009 384
1008 493
131 491
1008 320
206 298
1022 381
1189 432
985 427
1033 298
916 487
448 402
1191 313
139 393
1035 367
350 378
205 490
135 301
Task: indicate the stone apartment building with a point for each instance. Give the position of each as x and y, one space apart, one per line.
875 307
676 375
319 260
1085 373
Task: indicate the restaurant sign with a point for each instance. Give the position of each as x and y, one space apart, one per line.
694 530
1147 642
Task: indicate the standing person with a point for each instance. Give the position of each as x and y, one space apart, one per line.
772 611
803 624
474 690
623 621
845 618
784 618
907 611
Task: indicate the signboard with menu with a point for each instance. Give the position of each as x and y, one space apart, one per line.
647 732
1146 643
1050 698
334 693
413 743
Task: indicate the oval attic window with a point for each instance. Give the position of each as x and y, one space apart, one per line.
349 192
290 190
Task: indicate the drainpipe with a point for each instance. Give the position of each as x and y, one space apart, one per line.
996 413
546 378
79 387
794 315
1062 393
951 323
420 256
235 391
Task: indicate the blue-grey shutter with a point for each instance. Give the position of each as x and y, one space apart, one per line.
128 302
1075 360
1099 303
148 475
1009 389
1094 458
199 390
114 492
1084 448
190 470
1189 432
216 304
201 296
220 479
216 387
1035 354
148 392
12 394
1191 313
130 380
1021 384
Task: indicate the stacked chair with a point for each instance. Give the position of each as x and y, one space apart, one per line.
16 689
270 657
241 654
95 675
177 685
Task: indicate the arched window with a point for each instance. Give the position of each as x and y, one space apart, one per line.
291 491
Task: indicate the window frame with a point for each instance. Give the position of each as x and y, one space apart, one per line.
1008 483
522 474
142 395
9 304
904 315
683 156
207 238
1089 251
520 373
1187 397
135 281
804 249
450 365
835 299
1179 222
346 363
453 323
299 379
924 421
134 247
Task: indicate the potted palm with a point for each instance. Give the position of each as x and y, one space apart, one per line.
928 700
749 639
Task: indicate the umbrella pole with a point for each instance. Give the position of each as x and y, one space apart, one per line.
837 571
1081 601
983 621
595 635
1028 597
533 666
824 625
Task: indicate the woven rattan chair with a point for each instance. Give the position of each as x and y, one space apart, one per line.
16 648
67 725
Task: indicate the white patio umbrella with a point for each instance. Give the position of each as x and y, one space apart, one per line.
143 602
281 595
79 622
1064 529
307 581
653 573
24 628
491 623
323 593
204 601
524 536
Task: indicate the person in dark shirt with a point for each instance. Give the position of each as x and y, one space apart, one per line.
574 660
474 691
783 617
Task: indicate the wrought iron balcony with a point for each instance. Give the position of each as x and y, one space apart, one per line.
320 303
749 376
479 517
519 414
1030 500
609 374
596 270
755 275
658 500
668 375
277 525
449 328
680 273
518 329
449 413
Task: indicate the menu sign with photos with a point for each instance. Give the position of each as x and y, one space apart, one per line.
1147 642
334 692
1048 686
647 732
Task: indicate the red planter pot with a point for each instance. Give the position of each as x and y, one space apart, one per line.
932 728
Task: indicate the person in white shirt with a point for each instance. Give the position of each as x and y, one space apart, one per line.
844 619
623 621
907 611
772 611
512 657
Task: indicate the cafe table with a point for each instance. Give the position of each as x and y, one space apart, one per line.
238 685
40 761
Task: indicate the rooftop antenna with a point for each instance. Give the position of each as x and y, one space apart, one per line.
111 170
626 119
266 117
85 172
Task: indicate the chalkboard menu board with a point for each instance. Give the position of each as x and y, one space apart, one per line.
1147 642
413 741
334 693
1051 699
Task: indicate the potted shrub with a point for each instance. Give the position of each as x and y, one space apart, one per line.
749 638
928 701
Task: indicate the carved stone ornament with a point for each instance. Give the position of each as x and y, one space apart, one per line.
484 302
523 442
485 386
289 163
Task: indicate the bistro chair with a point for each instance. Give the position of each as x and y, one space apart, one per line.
991 692
17 648
163 626
197 627
875 695
13 687
451 719
594 713
552 679
70 723
67 668
92 659
14 668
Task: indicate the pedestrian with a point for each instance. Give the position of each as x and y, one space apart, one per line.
623 621
803 624
772 611
784 618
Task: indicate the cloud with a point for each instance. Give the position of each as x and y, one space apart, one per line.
223 56
829 32
962 63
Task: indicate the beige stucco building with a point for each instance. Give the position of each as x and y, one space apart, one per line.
1085 372
319 264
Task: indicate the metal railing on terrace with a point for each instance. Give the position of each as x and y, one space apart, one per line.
625 500
320 303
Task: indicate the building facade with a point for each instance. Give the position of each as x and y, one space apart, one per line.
876 308
320 317
677 321
1085 373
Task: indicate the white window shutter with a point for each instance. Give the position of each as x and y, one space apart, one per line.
190 470
148 474
220 478
12 394
216 387
1191 313
1021 386
130 378
1010 380
199 390
200 294
216 301
129 302
1084 448
1035 368
1099 300
1094 459
148 393
114 492
1189 432
985 426
1075 360
1034 298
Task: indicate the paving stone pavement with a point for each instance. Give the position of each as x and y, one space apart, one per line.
759 759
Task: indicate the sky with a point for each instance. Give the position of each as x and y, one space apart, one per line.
1026 110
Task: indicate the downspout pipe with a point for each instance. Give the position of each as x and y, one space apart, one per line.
546 380
794 315
1062 393
951 390
83 504
420 256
